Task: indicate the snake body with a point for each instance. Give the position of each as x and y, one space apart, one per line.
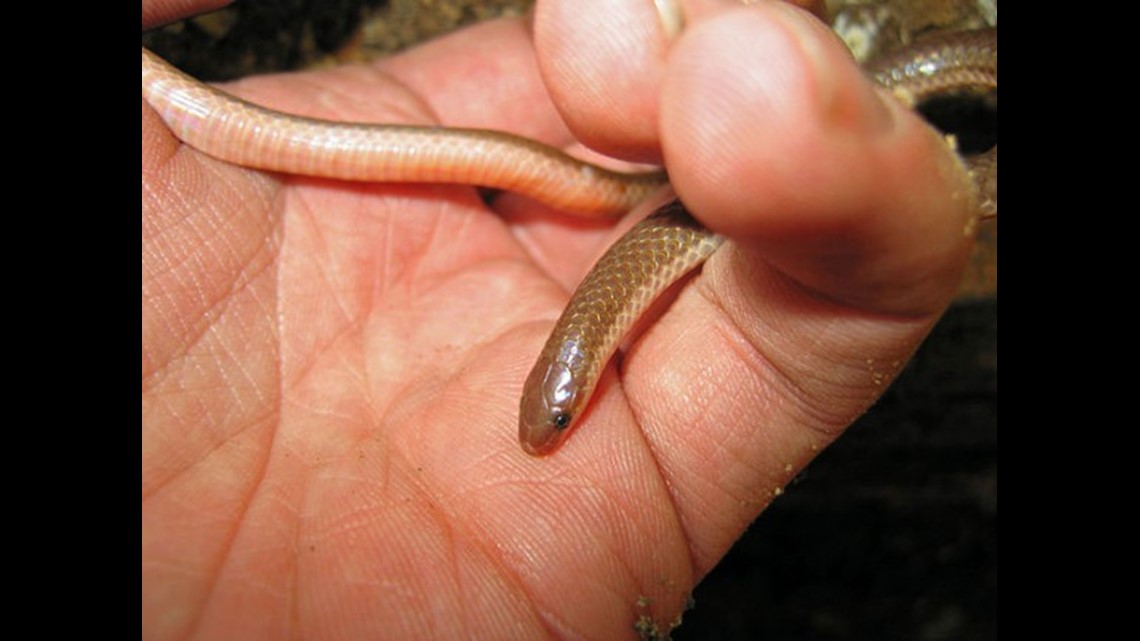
654 254
246 134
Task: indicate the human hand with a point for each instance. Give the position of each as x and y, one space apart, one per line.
331 372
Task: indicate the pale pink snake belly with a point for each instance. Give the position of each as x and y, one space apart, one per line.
654 254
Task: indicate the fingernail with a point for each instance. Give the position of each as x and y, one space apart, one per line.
672 20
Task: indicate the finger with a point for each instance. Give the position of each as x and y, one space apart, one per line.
772 134
603 63
847 234
159 12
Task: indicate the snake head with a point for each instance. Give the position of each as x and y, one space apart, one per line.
552 398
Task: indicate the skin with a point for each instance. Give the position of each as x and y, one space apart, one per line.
331 372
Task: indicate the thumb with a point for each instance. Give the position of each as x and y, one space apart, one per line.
774 137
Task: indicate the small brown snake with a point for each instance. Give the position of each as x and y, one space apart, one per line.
650 257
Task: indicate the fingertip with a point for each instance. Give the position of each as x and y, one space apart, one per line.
160 12
602 62
772 135
748 95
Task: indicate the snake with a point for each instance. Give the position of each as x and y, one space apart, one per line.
654 254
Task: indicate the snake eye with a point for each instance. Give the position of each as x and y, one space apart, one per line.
561 420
